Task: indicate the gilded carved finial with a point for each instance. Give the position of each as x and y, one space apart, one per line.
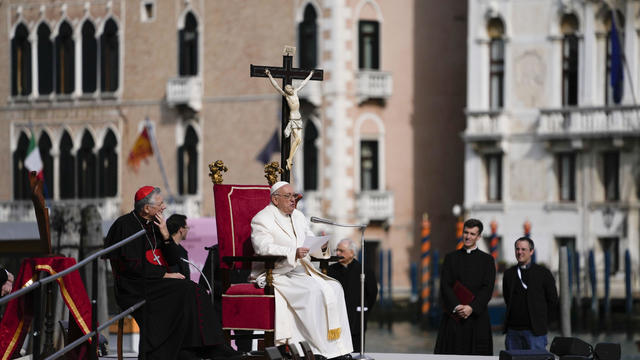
215 171
271 172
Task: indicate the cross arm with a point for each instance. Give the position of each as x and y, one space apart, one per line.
281 73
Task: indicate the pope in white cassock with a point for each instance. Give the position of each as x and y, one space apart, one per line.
309 305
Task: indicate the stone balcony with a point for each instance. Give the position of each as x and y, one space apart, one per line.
311 203
373 84
375 205
22 210
189 205
185 90
485 125
312 92
109 208
580 122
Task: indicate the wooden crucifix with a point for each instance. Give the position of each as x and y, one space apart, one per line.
290 116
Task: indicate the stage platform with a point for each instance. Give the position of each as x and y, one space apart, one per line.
397 356
379 356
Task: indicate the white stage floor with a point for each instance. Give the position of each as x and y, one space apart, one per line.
379 356
397 356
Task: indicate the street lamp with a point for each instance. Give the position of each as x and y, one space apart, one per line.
607 216
457 212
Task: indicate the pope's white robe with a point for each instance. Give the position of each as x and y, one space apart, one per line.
308 303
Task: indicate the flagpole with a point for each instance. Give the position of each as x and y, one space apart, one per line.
156 152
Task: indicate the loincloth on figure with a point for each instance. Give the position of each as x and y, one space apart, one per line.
293 124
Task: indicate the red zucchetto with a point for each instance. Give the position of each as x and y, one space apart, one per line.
143 192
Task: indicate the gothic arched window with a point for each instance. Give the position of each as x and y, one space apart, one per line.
65 60
108 166
188 163
86 167
308 39
20 177
67 168
369 45
44 145
188 39
89 58
310 156
569 28
45 60
20 62
109 59
495 28
369 160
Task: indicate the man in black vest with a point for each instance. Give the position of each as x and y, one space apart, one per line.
530 294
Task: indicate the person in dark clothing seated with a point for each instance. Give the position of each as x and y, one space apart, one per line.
347 272
178 229
174 322
6 281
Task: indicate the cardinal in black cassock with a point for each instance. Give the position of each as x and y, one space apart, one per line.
466 329
177 318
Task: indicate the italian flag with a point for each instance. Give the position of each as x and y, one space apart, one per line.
32 161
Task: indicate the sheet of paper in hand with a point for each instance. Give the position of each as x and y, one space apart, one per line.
314 243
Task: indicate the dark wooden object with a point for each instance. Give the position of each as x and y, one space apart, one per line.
287 73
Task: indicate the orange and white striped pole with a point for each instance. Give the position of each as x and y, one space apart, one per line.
425 264
494 240
527 232
459 228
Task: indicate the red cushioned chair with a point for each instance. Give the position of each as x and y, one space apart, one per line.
244 306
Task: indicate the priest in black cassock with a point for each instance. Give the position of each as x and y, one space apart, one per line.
176 321
466 329
178 230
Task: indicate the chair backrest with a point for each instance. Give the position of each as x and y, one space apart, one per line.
235 206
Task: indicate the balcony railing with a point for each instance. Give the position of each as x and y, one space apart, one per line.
485 125
311 203
375 205
189 205
312 92
185 90
22 210
373 84
589 122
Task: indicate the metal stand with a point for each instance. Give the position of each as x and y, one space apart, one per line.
362 277
362 227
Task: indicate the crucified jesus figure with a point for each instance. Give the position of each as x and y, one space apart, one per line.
294 126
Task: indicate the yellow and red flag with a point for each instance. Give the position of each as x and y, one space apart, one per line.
141 150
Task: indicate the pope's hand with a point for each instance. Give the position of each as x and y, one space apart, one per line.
301 252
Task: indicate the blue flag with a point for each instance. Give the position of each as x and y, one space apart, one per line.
616 62
273 146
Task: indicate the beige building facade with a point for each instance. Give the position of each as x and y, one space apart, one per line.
382 141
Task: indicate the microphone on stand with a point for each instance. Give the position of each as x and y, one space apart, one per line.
318 220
